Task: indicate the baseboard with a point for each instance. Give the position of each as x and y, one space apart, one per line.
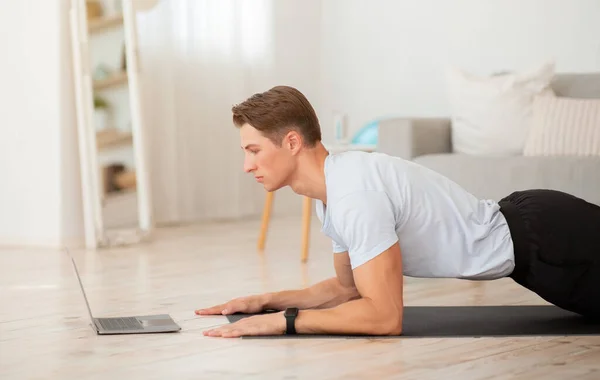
74 242
46 243
23 242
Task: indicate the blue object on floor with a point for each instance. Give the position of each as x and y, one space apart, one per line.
367 135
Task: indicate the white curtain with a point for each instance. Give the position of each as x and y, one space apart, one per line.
198 58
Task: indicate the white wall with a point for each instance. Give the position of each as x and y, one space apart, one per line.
198 58
39 198
71 207
370 59
297 50
383 58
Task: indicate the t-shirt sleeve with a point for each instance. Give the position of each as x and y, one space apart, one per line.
338 248
366 223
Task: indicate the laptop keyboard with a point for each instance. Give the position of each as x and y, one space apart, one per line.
125 323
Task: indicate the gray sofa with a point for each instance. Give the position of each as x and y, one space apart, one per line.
428 141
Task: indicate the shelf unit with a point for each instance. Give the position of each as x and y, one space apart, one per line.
113 138
114 80
97 25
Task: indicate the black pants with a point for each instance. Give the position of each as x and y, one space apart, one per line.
556 237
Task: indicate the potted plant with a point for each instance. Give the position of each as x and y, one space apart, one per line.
100 113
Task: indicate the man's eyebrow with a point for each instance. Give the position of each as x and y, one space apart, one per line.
249 146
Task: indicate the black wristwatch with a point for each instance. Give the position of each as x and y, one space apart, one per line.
290 315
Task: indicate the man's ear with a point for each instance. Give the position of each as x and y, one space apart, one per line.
293 141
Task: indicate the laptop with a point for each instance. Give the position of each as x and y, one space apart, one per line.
144 324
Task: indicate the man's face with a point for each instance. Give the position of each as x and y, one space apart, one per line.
271 165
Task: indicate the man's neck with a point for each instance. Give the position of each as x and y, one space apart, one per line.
309 180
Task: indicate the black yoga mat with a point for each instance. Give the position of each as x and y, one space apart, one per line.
476 321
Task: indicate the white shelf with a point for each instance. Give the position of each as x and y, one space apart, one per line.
113 138
115 80
99 24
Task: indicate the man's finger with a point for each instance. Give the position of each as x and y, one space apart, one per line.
235 333
233 307
206 311
211 310
213 332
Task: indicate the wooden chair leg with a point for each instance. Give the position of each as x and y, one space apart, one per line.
265 220
306 218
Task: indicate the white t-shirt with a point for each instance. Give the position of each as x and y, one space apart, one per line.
375 200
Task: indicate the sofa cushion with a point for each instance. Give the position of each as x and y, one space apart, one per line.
577 85
564 126
494 177
492 114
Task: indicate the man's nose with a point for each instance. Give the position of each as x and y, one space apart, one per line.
249 166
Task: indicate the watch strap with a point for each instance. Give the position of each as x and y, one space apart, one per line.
290 320
290 325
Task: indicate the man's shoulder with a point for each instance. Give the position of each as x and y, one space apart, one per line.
355 172
357 161
347 173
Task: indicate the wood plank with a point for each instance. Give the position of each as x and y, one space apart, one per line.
114 80
112 137
188 267
100 24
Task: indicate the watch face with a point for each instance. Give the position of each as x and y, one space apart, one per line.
291 312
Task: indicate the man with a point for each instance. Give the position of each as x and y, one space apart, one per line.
389 217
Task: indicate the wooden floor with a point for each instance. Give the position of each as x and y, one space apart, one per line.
45 330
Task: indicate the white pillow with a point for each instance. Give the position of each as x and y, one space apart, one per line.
491 115
564 127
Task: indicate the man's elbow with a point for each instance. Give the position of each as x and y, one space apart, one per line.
389 324
392 327
348 293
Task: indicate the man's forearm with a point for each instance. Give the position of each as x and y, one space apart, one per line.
325 294
358 316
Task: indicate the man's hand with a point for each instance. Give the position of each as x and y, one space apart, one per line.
248 305
325 294
266 324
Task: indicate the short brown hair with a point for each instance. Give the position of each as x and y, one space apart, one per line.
276 112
